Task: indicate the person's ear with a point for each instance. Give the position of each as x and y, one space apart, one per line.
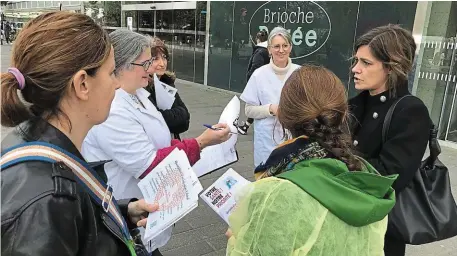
80 85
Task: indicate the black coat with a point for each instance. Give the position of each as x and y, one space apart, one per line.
44 209
178 117
259 58
407 138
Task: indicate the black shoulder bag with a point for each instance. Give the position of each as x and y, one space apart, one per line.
425 210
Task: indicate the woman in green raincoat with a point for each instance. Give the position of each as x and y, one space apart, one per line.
313 196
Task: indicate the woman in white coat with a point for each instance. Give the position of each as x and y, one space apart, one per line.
135 136
263 91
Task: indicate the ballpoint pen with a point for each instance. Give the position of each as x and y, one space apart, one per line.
216 129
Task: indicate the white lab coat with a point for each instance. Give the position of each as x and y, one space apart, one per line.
264 87
130 137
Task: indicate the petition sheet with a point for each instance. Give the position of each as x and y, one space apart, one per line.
165 94
175 187
217 156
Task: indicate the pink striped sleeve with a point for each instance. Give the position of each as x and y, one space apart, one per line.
190 147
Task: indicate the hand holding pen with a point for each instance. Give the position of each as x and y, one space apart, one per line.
216 129
214 135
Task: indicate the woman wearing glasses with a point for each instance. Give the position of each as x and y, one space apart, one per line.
135 137
263 91
177 117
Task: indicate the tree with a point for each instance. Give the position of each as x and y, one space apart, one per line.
112 11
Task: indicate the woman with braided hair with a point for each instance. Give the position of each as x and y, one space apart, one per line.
313 196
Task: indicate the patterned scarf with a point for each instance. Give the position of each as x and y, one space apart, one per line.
288 154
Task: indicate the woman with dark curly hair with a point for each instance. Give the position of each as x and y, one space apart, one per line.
178 116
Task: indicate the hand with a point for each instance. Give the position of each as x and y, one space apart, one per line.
214 137
274 109
138 211
229 233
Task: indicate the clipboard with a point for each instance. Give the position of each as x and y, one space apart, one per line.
219 156
218 168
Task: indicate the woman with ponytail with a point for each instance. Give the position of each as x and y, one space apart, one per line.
313 196
63 68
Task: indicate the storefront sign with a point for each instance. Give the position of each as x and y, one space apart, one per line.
307 21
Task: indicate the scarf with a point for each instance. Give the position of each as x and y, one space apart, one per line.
288 154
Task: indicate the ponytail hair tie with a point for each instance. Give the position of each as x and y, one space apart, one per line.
19 77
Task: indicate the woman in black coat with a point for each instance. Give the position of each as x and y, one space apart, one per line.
383 60
178 117
260 57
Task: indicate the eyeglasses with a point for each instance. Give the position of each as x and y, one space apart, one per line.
278 47
145 64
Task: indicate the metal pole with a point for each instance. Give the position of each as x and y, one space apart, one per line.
454 53
207 42
443 106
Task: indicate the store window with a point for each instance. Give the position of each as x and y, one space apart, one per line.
436 68
322 33
184 44
134 16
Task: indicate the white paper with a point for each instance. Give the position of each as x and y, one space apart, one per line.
175 187
221 195
217 156
165 94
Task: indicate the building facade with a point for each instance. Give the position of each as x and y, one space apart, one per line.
211 42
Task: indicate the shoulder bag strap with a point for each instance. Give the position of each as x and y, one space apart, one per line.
433 144
388 118
85 175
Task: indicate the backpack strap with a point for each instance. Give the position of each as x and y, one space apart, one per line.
85 176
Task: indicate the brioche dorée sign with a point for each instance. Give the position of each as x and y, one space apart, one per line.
307 21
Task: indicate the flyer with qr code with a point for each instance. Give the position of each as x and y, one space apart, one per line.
175 187
221 195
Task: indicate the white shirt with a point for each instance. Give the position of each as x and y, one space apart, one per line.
264 87
130 137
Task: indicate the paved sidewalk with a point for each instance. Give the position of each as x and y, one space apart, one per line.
202 232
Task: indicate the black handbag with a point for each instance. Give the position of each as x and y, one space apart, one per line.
425 210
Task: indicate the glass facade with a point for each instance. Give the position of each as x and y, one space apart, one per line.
182 25
435 77
20 12
322 32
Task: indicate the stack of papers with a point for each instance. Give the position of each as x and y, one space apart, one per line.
165 94
215 157
175 187
221 195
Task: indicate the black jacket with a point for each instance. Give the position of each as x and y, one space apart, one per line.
178 117
407 138
259 58
46 212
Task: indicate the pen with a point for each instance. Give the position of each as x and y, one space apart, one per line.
215 129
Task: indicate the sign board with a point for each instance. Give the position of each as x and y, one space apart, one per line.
307 21
130 23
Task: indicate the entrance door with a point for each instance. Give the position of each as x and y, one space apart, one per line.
181 25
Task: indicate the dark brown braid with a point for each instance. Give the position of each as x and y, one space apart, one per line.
314 103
